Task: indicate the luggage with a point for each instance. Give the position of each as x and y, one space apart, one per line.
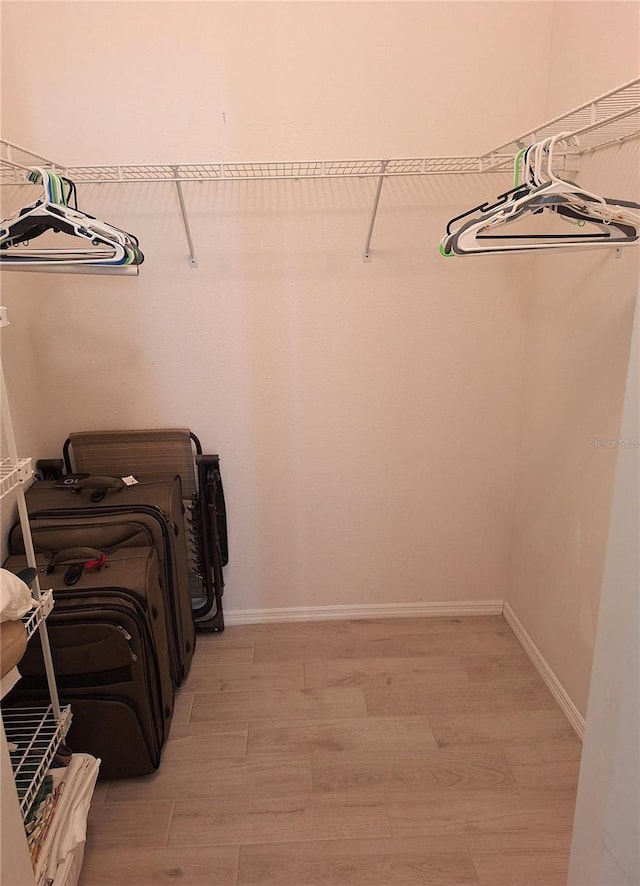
106 514
148 454
109 647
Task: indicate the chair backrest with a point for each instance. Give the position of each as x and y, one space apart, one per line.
148 454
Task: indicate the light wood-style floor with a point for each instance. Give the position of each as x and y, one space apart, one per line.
364 753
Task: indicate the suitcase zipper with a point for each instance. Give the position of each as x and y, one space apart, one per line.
127 637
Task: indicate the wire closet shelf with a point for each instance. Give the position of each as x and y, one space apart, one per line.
611 118
34 735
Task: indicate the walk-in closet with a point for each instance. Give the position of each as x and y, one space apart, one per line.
363 276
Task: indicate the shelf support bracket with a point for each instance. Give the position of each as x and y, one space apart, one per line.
193 261
366 255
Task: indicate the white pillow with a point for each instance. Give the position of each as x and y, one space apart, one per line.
15 597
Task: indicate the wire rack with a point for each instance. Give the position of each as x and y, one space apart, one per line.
15 161
613 117
286 169
33 735
12 474
42 607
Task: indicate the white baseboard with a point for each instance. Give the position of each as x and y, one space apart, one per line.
571 712
363 610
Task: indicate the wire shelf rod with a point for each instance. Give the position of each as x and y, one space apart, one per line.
273 170
8 149
632 86
598 114
600 124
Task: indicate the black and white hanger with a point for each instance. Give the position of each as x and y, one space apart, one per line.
596 221
103 245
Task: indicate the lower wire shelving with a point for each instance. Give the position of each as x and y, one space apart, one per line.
33 735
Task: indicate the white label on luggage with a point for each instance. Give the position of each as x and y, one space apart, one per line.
130 481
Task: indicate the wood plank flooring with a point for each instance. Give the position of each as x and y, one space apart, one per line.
421 752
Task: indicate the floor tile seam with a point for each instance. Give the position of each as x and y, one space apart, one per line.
247 844
283 687
242 844
236 665
387 793
246 739
268 759
237 879
371 798
334 722
378 794
393 749
473 865
291 722
300 760
231 726
246 691
413 789
142 799
190 709
277 717
334 840
169 824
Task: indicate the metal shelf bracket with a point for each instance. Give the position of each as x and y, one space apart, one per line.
366 255
193 261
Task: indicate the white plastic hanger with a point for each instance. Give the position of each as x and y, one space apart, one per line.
616 223
111 245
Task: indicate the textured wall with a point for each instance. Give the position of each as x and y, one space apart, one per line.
577 351
366 414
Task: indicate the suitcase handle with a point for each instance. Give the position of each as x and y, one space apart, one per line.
90 558
71 555
100 486
100 483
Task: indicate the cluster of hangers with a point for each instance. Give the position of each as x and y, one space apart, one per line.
104 245
538 191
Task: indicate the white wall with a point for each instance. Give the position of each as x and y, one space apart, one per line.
610 29
366 414
159 82
605 849
577 347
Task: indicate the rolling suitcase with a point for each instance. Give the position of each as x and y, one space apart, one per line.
149 453
109 648
107 514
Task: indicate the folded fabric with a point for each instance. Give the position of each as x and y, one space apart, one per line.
70 821
15 597
13 643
